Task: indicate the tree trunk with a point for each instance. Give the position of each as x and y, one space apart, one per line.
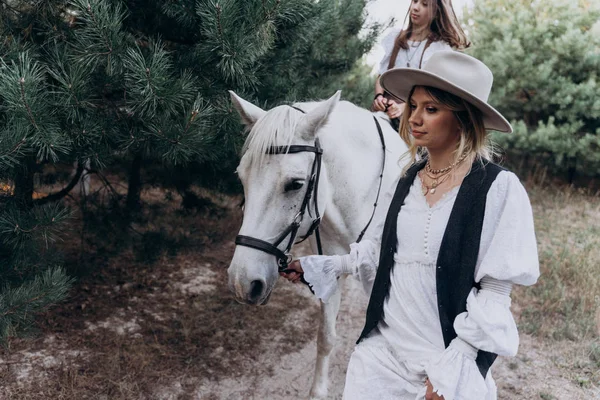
84 182
135 183
23 185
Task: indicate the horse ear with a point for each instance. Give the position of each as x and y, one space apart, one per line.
318 117
248 111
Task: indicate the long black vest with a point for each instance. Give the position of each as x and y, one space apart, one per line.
457 257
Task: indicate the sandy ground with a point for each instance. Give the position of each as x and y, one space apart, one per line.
271 371
533 374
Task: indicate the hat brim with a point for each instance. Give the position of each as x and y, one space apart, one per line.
399 82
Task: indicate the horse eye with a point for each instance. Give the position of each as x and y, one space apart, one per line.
294 185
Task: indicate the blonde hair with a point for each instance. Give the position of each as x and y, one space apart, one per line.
474 140
444 26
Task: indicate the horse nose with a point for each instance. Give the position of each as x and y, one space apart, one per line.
257 288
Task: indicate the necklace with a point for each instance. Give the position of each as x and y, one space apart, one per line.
410 57
448 168
438 176
434 184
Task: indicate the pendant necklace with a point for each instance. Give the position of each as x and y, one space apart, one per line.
409 59
434 184
438 176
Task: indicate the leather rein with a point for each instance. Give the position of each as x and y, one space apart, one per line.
284 257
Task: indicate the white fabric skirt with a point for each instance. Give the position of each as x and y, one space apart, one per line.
375 373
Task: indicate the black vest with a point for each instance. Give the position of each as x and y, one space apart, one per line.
458 252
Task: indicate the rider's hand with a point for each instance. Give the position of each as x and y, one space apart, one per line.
380 103
394 109
294 272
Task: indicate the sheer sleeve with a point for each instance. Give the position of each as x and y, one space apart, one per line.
507 256
387 43
321 272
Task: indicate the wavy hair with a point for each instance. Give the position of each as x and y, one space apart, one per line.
444 26
474 139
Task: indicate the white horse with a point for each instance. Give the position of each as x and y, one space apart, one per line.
275 186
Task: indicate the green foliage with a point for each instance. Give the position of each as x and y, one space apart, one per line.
29 265
28 109
19 305
145 82
545 56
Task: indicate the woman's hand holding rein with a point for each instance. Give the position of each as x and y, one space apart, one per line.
294 272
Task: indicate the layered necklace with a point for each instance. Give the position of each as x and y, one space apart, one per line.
438 176
409 57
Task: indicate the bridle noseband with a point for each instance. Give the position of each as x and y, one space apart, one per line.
283 256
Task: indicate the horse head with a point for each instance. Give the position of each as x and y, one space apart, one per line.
278 171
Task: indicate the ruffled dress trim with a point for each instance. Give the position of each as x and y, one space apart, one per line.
321 273
455 375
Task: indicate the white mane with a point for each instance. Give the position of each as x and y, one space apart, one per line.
276 128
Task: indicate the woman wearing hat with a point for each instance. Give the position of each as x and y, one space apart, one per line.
441 263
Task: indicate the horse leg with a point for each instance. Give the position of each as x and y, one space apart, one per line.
326 339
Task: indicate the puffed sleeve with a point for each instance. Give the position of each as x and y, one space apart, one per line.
507 256
321 272
508 250
387 43
433 48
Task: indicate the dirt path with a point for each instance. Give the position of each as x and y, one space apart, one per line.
533 374
174 333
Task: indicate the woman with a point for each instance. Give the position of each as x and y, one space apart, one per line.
441 262
432 27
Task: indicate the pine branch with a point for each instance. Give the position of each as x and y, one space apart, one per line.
20 229
19 305
24 100
65 191
10 157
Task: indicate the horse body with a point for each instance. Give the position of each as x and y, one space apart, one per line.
275 185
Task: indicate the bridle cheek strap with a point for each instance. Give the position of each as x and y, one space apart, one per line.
283 257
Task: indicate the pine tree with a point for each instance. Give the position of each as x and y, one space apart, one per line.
545 56
92 82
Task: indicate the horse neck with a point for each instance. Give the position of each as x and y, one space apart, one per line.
352 160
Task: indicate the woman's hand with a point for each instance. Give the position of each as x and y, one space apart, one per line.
294 272
429 395
395 110
380 103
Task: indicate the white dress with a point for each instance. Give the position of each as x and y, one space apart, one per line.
411 56
393 362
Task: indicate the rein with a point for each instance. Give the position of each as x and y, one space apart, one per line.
284 257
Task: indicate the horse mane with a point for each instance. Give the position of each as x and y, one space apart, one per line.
276 128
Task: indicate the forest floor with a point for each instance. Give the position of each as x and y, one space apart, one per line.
150 317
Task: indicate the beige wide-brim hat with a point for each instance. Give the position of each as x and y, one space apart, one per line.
453 72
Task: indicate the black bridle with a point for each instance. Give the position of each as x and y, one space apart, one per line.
284 257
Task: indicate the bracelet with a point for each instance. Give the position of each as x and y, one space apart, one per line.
377 95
